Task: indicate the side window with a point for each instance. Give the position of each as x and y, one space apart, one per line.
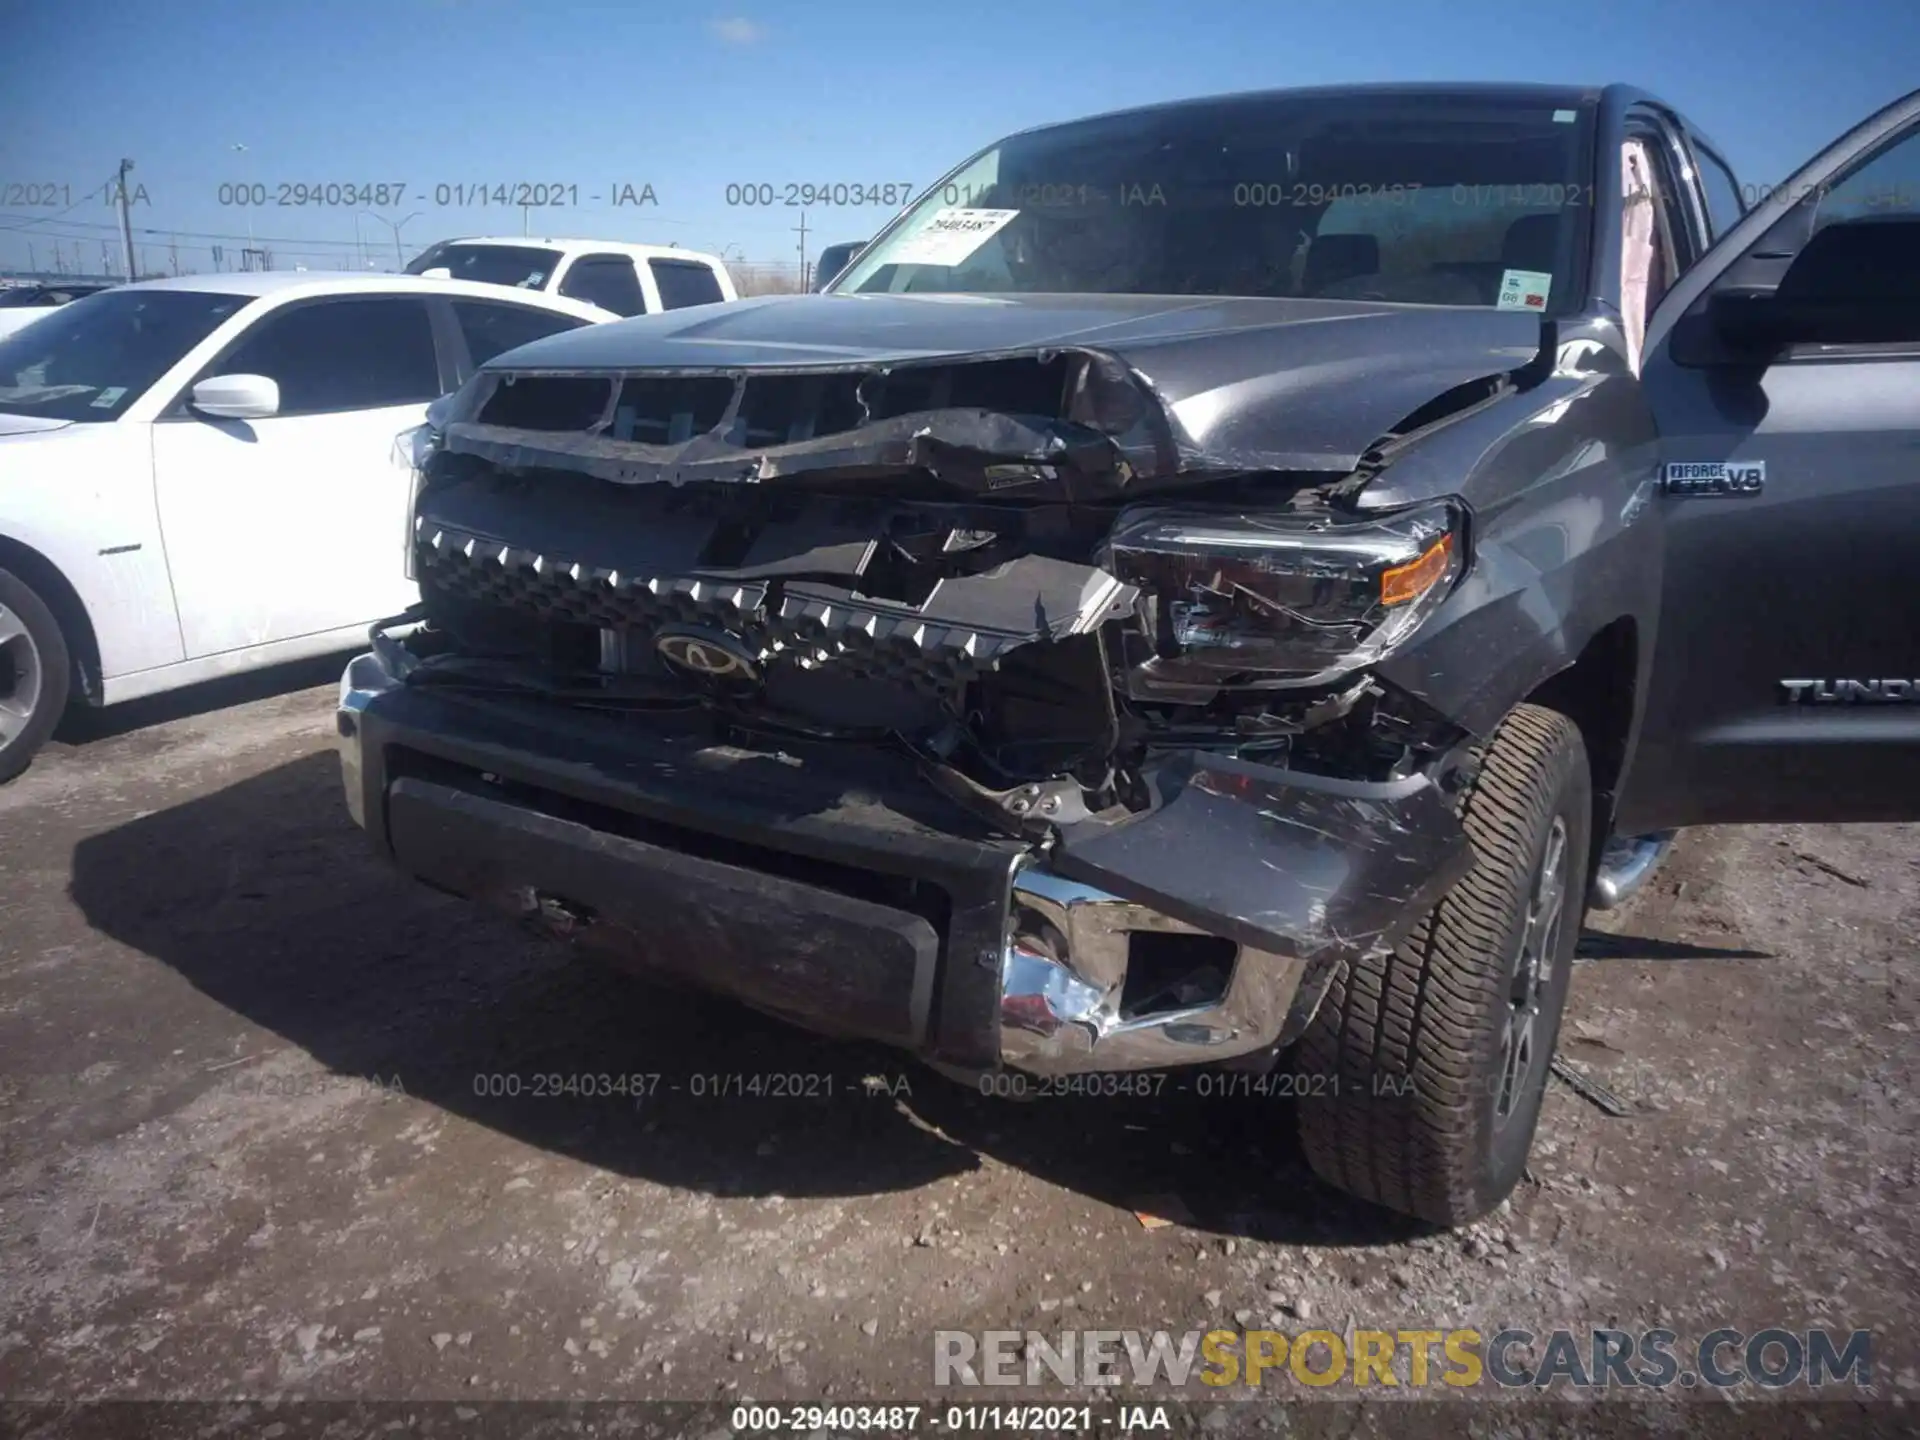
1887 185
1650 231
1650 172
685 282
342 355
1680 231
491 329
1722 191
608 281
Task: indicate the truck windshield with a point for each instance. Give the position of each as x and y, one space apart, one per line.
1441 199
527 266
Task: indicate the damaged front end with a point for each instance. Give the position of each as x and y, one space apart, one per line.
1134 676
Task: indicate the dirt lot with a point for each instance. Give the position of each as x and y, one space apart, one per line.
249 1144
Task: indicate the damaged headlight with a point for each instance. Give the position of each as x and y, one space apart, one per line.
1239 601
412 449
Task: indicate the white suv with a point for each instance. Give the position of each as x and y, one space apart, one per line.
626 279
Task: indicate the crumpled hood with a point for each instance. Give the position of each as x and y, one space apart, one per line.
1269 384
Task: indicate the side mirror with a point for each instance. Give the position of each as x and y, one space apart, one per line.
1856 282
438 272
237 397
833 260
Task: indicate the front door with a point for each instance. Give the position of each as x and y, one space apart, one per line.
294 525
1783 372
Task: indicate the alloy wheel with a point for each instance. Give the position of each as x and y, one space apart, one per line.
20 675
1521 1051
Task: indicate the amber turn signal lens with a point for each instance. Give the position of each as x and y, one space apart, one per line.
1413 579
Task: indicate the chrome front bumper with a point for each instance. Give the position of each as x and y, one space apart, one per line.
1063 997
365 677
1065 972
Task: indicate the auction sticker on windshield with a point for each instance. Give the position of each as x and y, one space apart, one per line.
950 236
1524 289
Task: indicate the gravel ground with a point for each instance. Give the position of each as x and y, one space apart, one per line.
248 1146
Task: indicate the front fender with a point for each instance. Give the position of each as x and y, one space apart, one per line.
1566 540
1296 864
82 499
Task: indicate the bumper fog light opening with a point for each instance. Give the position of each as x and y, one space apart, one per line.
1063 984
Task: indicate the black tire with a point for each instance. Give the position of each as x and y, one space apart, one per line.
1407 1100
35 671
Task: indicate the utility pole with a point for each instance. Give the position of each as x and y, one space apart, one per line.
802 228
32 263
399 262
246 170
126 222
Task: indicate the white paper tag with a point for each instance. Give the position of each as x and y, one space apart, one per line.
1524 289
109 397
951 236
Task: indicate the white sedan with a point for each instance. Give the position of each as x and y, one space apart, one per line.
199 476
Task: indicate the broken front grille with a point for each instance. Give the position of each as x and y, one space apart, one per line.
804 623
487 571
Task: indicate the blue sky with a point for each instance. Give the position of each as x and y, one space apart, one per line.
689 98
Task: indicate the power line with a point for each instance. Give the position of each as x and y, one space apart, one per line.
185 234
320 252
49 219
217 234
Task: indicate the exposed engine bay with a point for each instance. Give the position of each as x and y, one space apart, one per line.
837 557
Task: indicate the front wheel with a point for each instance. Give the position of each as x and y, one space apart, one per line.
1429 1062
33 674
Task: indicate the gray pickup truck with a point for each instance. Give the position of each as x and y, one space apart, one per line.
1218 584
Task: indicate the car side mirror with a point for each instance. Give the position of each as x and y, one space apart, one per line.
1856 282
833 260
237 397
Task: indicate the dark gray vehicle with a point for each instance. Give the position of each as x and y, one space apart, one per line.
1204 587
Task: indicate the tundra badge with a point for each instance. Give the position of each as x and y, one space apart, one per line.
1851 692
1713 477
